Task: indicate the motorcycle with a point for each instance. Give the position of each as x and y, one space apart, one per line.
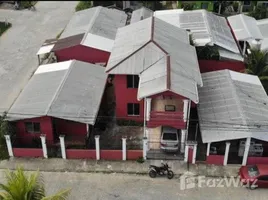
161 171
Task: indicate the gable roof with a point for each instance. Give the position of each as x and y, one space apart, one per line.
153 45
69 90
231 104
140 14
244 27
97 25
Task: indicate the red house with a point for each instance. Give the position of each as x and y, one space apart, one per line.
152 61
88 37
60 99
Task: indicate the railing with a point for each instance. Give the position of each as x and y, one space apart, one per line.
174 119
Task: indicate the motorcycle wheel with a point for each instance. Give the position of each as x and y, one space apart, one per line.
170 174
152 173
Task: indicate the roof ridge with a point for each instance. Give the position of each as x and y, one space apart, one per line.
60 87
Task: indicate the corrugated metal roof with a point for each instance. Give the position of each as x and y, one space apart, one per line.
47 46
263 26
245 27
231 103
147 55
228 55
69 90
68 42
98 21
141 14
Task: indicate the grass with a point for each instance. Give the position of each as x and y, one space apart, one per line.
82 5
27 4
4 27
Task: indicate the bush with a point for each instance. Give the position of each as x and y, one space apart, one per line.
4 27
140 160
27 4
129 123
82 5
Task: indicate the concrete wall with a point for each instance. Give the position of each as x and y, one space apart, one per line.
81 154
124 96
28 152
159 103
83 53
215 159
257 160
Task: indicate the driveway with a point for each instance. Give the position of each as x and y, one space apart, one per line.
87 186
20 43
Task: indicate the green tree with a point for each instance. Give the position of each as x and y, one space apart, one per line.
5 128
257 64
260 12
207 53
20 186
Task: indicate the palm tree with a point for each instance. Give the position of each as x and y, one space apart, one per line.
257 64
20 186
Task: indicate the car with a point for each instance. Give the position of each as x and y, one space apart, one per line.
254 175
169 139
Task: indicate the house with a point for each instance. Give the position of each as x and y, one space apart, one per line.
156 75
89 36
140 14
60 98
233 109
208 5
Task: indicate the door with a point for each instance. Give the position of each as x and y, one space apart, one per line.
263 181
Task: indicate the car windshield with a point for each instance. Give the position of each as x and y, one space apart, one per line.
253 171
169 136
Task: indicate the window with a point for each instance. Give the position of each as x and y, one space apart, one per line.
204 5
132 81
32 127
133 109
170 108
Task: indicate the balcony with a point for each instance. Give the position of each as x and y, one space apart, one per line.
166 118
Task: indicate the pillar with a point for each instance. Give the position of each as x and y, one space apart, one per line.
183 140
97 145
144 148
185 109
9 146
186 153
194 153
208 148
44 145
124 148
62 146
148 108
144 117
245 156
227 147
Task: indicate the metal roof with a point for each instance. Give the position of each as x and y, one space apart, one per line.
69 90
231 104
263 26
244 27
141 14
98 25
156 50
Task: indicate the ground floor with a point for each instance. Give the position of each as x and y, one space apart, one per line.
132 187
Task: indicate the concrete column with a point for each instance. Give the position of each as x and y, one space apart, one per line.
44 145
227 147
97 145
62 146
186 153
148 108
9 146
144 117
208 148
145 148
244 48
185 109
183 140
124 148
194 153
148 139
247 146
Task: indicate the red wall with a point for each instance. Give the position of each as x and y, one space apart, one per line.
110 154
215 65
45 126
124 96
66 127
83 53
134 154
80 154
215 159
27 152
257 160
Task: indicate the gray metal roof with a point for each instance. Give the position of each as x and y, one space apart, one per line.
141 14
69 90
245 27
97 23
231 104
263 26
144 47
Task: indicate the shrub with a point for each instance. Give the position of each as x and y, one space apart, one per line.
4 27
82 5
140 160
129 123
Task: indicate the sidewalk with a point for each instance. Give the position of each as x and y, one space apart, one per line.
131 167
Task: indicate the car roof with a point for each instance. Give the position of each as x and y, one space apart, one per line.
263 169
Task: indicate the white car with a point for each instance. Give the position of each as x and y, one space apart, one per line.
169 139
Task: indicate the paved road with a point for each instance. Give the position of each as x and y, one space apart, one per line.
19 45
133 187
